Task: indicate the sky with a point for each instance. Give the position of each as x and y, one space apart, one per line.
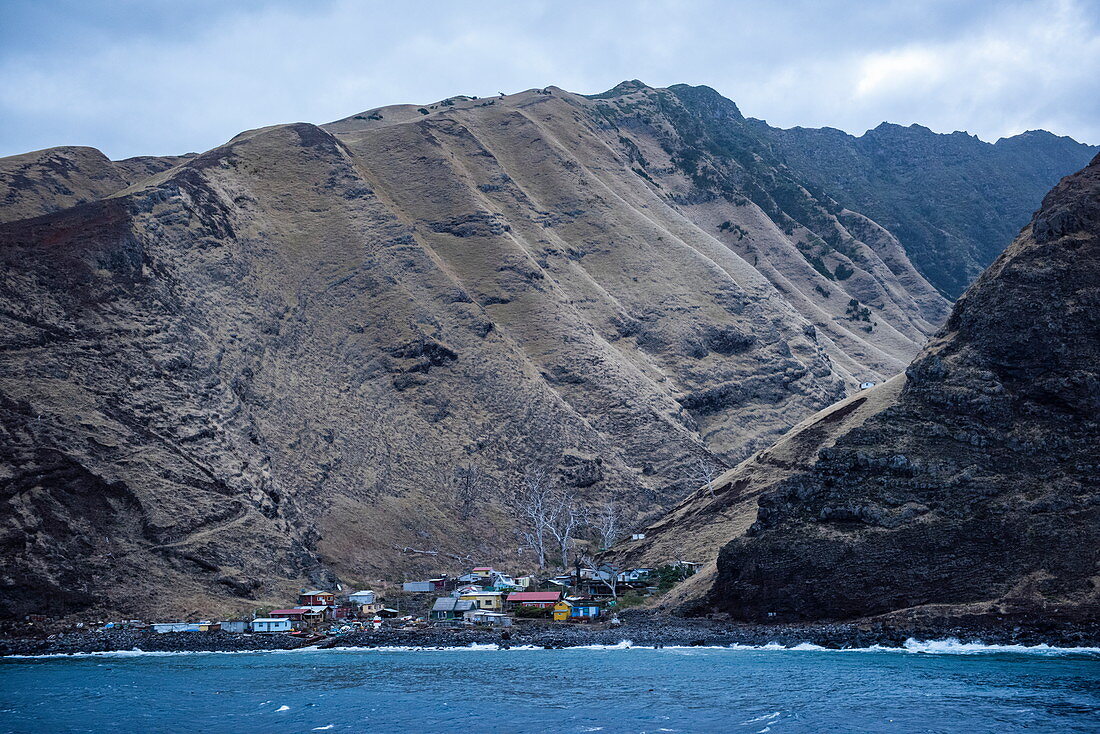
138 77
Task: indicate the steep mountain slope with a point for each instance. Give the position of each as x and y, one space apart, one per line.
921 187
56 178
970 487
844 273
281 360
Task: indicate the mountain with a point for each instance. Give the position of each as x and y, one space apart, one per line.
921 187
965 486
57 178
333 353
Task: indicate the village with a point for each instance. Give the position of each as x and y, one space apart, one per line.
484 597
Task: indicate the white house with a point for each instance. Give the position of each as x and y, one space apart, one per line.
488 619
866 385
362 597
271 624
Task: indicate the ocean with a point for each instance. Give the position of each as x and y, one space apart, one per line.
924 687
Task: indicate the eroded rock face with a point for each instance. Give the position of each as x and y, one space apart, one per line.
978 484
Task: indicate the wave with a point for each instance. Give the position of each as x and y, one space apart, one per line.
949 646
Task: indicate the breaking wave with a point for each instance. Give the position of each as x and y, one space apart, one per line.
950 646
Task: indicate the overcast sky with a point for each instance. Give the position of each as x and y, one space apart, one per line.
135 77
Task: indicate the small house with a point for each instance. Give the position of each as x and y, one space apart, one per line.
316 598
690 566
637 536
536 599
489 600
483 572
268 625
467 589
371 609
584 611
447 607
575 611
563 581
297 614
484 618
234 626
418 586
362 597
503 582
866 385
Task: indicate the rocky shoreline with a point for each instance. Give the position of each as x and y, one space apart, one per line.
641 629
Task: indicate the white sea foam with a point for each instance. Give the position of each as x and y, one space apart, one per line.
952 646
324 728
949 646
282 708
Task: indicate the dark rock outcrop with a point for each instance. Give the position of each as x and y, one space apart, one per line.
976 488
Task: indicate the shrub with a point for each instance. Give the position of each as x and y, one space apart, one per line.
631 599
668 576
843 272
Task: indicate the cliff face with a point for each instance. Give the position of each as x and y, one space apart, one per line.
975 487
281 360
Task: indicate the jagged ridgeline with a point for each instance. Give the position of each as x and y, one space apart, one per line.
306 353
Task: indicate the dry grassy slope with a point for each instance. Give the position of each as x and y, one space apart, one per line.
49 180
972 489
552 161
658 127
262 366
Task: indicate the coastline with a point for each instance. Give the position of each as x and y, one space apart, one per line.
641 629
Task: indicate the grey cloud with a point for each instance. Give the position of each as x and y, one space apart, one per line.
145 82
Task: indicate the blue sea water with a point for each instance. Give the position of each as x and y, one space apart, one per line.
935 687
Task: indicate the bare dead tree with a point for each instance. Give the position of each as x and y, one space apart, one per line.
608 524
565 519
533 504
704 472
470 484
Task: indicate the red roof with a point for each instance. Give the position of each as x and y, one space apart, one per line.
534 596
289 611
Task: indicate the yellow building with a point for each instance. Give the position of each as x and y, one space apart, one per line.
489 600
577 611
